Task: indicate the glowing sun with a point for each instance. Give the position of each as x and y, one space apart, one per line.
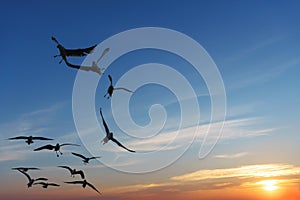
269 185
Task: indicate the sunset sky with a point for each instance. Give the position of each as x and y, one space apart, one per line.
255 46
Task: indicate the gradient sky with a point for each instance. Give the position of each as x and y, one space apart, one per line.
255 45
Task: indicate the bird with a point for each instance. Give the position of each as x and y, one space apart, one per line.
25 169
64 53
111 88
45 185
56 148
84 184
109 135
29 139
31 180
73 171
85 159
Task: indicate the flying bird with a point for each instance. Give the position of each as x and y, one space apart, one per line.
111 88
64 53
84 184
73 171
29 139
25 169
45 185
31 180
109 135
85 159
56 148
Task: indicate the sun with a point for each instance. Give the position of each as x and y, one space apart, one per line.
269 185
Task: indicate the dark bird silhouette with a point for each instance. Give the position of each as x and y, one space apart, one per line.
25 169
84 184
85 159
45 185
31 180
64 53
29 139
56 148
111 88
109 135
73 171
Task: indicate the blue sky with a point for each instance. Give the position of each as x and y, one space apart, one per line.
255 45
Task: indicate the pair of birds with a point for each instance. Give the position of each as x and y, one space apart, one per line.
64 53
40 181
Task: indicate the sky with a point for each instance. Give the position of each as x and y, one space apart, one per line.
255 48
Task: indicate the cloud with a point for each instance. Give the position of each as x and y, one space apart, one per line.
236 155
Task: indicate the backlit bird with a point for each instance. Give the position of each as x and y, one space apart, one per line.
31 180
56 148
84 183
73 171
109 135
85 159
29 139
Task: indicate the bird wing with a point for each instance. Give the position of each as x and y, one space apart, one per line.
118 143
80 51
89 184
41 138
69 144
103 54
79 155
27 175
41 179
54 39
40 183
104 123
94 157
66 167
48 146
110 79
121 88
74 182
18 138
53 184
81 173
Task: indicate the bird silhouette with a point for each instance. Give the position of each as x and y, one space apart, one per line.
64 53
111 88
46 184
73 171
25 169
84 183
31 180
85 159
29 139
109 135
56 148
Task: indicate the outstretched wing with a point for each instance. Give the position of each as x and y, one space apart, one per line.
81 173
80 52
66 167
27 175
19 138
118 143
48 146
104 123
121 88
94 157
74 182
54 39
110 79
53 184
41 179
79 155
89 184
70 144
41 138
103 54
25 168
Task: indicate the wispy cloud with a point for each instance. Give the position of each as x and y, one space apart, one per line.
236 155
